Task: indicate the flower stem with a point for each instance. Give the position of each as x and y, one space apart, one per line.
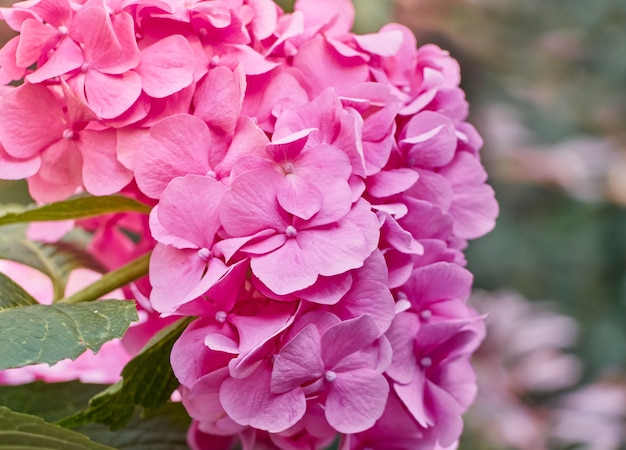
111 281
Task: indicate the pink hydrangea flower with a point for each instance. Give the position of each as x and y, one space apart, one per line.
312 191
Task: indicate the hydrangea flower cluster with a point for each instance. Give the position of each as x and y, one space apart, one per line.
314 190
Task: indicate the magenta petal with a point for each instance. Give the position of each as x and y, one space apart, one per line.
299 197
176 146
348 337
249 401
298 362
356 400
166 66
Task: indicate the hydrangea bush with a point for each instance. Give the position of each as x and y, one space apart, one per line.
305 195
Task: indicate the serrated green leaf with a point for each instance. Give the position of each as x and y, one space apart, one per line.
165 429
49 333
20 431
75 208
147 381
50 401
13 295
55 260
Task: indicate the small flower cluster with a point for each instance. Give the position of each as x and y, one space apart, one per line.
314 190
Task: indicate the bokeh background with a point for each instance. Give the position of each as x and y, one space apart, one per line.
546 81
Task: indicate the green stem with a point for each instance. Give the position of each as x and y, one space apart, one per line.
111 281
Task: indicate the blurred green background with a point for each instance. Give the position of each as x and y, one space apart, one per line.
546 81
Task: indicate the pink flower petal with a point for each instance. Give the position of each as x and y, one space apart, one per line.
103 174
348 337
177 146
356 400
189 208
66 58
111 95
249 401
298 362
166 66
32 119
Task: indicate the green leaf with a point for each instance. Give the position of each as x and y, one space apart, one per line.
20 431
13 295
55 260
49 333
165 429
50 401
147 380
75 208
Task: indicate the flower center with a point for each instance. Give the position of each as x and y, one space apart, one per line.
63 30
84 68
68 134
426 314
220 316
288 168
426 361
330 376
205 254
291 231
